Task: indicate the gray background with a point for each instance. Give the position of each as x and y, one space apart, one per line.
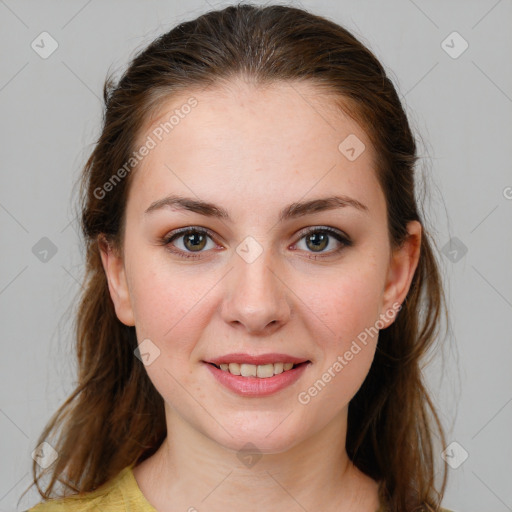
461 107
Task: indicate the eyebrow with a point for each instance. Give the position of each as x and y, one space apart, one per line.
291 211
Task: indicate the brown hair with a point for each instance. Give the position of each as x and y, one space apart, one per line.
115 416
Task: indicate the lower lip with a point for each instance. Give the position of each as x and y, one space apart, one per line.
255 386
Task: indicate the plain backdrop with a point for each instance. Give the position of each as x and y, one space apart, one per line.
451 63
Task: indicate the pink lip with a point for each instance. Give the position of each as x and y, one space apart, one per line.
241 358
254 386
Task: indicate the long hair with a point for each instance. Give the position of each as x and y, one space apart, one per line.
115 416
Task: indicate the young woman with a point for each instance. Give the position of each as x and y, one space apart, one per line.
260 286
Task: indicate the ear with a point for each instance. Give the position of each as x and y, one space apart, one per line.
113 265
402 265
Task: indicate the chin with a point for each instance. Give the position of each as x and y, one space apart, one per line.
253 440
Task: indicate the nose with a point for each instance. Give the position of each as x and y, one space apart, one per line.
256 296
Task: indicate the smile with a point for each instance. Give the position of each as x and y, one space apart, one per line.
257 380
262 371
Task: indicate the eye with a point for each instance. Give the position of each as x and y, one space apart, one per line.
195 239
192 240
319 238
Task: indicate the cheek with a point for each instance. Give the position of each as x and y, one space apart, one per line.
169 306
169 311
348 303
156 301
348 310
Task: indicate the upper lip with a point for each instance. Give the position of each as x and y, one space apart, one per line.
241 358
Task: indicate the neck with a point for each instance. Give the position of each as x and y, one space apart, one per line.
193 472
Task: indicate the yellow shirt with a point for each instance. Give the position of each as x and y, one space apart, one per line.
120 494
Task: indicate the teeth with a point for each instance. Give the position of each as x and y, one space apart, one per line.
263 371
248 370
234 368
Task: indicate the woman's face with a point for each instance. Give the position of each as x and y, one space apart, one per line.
282 268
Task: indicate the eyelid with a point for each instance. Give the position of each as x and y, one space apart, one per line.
328 229
180 231
167 239
336 233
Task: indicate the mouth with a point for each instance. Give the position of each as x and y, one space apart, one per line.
257 380
261 371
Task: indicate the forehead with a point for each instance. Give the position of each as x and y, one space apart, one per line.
262 110
259 141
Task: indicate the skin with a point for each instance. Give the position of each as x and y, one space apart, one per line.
254 150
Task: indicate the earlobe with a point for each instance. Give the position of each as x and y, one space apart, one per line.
113 266
402 266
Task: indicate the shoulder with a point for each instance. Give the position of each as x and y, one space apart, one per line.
74 504
381 509
110 497
83 503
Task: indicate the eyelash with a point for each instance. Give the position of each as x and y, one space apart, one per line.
339 236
